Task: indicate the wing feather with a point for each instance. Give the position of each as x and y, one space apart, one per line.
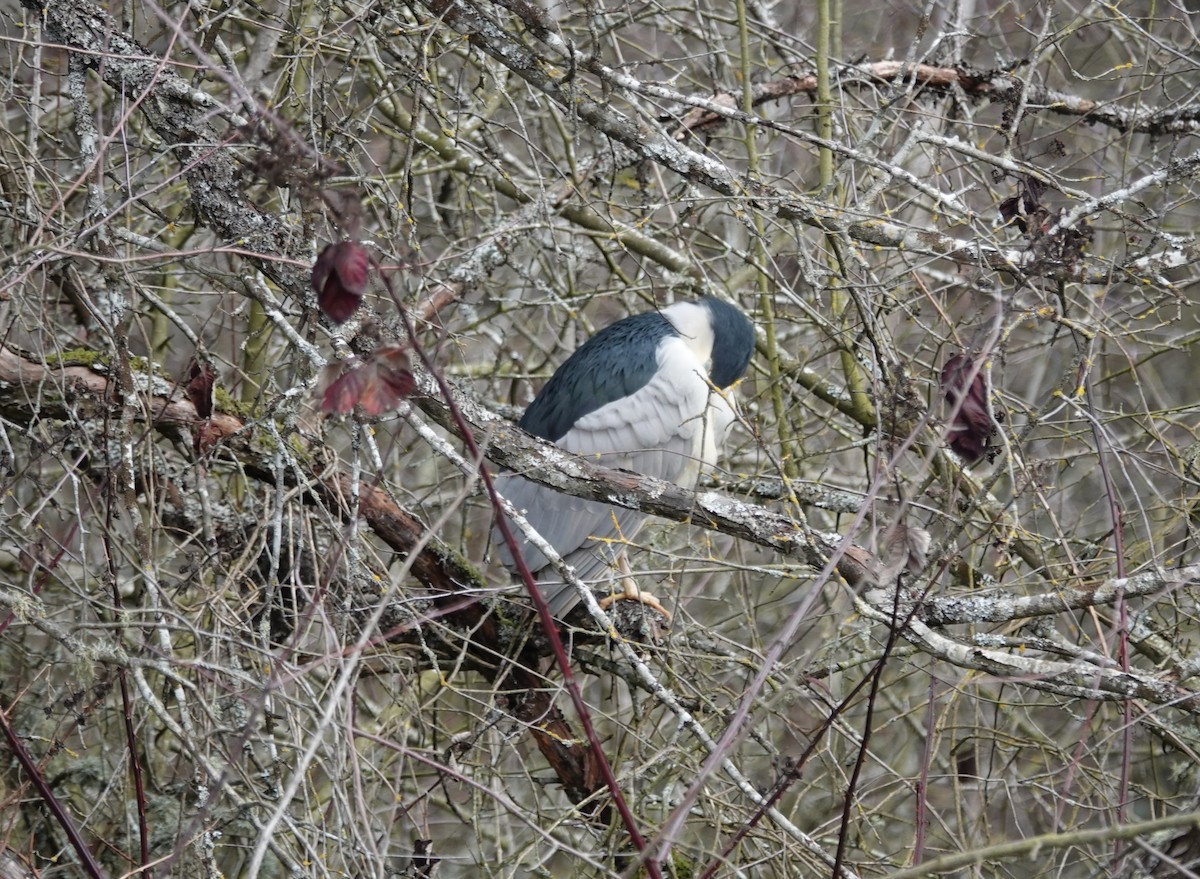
669 428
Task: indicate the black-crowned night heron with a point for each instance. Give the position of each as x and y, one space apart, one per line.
644 394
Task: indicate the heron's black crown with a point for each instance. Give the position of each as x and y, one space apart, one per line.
623 357
733 341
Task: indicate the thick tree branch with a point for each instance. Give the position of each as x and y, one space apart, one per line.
79 394
1003 608
981 84
1077 680
182 116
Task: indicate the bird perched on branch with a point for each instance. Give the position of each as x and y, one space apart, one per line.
644 394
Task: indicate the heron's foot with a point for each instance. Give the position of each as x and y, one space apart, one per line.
633 593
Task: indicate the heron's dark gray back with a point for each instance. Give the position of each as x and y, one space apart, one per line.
616 362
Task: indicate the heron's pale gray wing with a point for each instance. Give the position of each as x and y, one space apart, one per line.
563 521
594 563
660 430
654 430
585 527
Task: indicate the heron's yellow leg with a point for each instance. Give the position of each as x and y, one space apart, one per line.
631 591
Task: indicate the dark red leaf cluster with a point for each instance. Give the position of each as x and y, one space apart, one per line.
340 278
1035 219
375 386
1025 210
201 389
971 425
201 383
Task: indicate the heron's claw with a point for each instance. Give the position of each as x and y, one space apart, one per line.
633 593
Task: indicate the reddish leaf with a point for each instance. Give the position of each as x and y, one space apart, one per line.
343 394
340 278
384 388
1018 209
205 437
394 372
201 381
395 356
400 382
1010 210
972 427
374 387
375 399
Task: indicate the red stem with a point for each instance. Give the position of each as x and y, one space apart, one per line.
543 610
56 808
